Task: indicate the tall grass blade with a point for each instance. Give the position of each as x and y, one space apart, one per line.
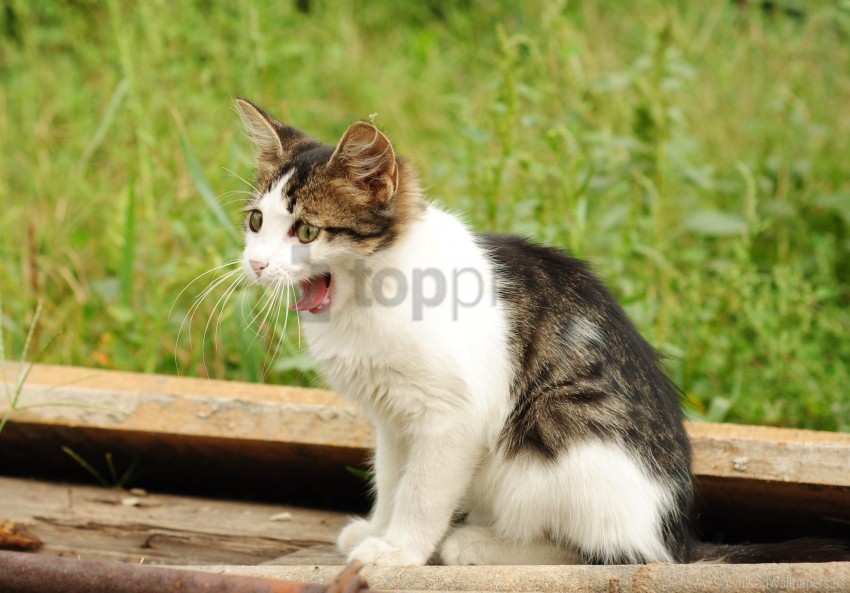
128 254
3 357
106 123
203 186
25 369
86 466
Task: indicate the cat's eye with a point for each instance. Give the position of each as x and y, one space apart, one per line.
307 232
255 220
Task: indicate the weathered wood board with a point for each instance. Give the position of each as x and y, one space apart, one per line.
295 544
106 524
293 444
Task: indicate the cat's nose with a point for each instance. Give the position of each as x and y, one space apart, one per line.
258 266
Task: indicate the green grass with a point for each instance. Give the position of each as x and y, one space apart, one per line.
698 153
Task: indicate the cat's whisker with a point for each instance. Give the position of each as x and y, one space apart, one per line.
221 299
250 197
212 315
277 293
227 295
213 285
242 305
242 179
206 292
286 304
256 307
198 277
260 332
285 310
235 201
199 299
237 191
269 310
269 295
290 290
190 314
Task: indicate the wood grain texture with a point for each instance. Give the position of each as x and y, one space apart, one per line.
102 523
295 438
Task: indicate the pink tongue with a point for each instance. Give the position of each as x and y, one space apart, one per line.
313 292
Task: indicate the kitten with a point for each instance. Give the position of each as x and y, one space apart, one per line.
504 382
520 418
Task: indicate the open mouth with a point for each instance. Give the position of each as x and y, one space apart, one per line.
315 294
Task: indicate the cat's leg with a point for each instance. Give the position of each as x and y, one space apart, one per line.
441 460
482 546
389 456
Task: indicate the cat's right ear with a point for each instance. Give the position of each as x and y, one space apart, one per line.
272 139
365 156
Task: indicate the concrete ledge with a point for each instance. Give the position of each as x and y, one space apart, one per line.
658 578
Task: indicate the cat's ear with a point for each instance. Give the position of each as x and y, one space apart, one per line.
272 139
365 157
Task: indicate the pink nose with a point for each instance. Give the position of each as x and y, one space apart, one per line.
258 266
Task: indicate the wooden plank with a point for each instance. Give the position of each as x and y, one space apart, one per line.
314 433
772 454
133 402
102 523
165 424
750 475
232 537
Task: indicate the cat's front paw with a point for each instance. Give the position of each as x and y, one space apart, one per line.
354 533
379 551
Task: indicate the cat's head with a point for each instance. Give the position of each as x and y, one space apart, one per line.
320 210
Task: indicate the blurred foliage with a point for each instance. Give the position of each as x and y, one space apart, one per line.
697 153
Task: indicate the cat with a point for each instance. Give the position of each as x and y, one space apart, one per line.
519 416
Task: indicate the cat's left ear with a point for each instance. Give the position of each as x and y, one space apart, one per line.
274 142
365 157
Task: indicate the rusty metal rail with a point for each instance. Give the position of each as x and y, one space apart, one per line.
30 573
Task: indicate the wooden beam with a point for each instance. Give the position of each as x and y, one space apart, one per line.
225 426
773 454
138 402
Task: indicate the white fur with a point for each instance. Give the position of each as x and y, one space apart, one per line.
436 387
482 545
272 245
583 332
594 496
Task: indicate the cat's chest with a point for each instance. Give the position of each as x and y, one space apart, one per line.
366 363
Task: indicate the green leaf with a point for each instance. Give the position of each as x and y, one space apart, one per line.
715 223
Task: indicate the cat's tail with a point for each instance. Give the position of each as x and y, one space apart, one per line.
807 549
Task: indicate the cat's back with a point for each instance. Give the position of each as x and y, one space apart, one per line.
570 335
587 386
